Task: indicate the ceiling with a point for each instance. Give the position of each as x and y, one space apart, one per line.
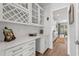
43 5
60 14
54 5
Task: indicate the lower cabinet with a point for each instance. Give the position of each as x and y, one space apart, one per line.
40 45
24 49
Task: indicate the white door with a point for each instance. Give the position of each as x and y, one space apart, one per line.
73 31
77 42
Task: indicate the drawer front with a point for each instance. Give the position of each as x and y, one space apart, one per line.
25 49
29 52
18 54
32 43
29 44
14 50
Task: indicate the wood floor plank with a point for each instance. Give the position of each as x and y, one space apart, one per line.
59 49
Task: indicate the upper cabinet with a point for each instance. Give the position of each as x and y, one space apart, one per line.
15 13
24 5
22 13
35 13
41 16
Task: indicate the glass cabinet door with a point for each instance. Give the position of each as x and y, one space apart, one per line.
34 13
13 13
24 5
41 17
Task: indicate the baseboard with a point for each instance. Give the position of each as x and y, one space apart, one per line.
38 53
47 51
42 54
55 39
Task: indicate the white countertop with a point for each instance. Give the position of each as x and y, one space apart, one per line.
20 40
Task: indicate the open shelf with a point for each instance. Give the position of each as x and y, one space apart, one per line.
28 24
22 13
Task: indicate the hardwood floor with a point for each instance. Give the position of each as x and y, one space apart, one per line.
59 49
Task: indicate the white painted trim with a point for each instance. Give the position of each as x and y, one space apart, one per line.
76 24
1 10
52 28
59 8
76 18
63 21
68 45
68 41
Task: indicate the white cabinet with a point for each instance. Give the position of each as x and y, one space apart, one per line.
41 16
22 49
15 13
22 13
37 14
24 5
41 45
34 13
45 42
14 50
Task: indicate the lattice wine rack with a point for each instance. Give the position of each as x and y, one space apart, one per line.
15 12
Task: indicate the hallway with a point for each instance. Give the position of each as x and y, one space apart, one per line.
60 48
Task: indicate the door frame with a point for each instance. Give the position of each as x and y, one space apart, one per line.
76 23
77 29
68 41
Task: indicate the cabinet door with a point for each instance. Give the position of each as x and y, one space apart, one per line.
24 49
14 51
14 13
38 44
1 52
42 45
46 42
41 17
34 13
24 5
30 50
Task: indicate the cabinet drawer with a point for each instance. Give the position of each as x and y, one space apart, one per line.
31 54
28 51
29 44
21 49
18 54
14 50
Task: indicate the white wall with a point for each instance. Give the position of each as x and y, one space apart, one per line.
73 33
73 29
49 25
18 29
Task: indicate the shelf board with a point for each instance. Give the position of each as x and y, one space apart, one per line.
36 25
20 7
27 24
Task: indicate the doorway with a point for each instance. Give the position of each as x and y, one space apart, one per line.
60 43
